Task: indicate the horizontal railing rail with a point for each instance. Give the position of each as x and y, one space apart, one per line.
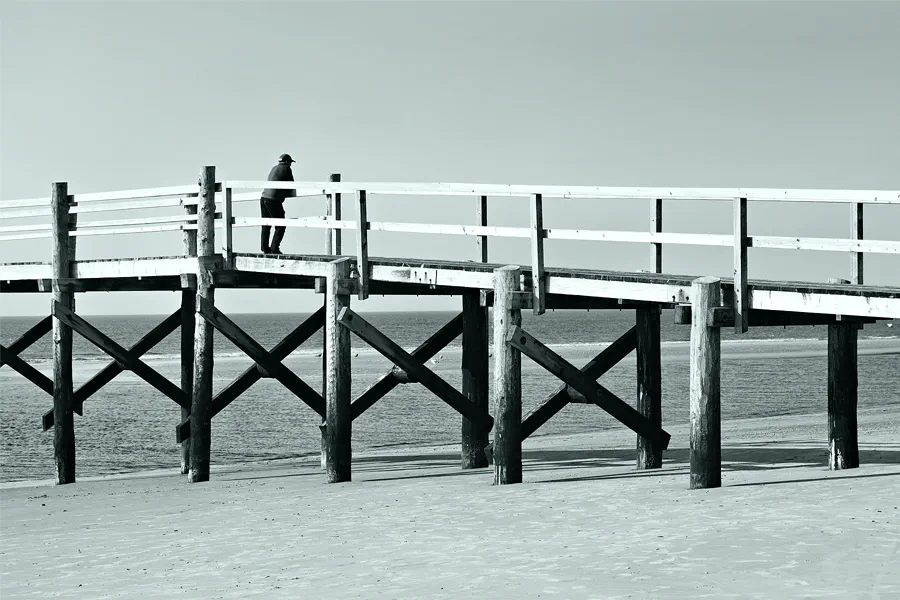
222 204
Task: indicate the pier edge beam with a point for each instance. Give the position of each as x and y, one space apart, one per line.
843 385
338 418
705 391
202 392
649 381
475 373
507 388
63 390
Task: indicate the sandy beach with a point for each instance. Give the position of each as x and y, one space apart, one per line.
585 524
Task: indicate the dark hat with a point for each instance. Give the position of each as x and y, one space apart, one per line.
286 158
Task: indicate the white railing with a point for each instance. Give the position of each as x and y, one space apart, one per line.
185 197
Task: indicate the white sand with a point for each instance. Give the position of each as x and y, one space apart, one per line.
584 524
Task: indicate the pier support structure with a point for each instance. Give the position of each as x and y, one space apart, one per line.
649 382
706 425
507 388
338 418
843 382
202 395
63 417
475 384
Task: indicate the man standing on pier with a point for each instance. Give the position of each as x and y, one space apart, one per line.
271 204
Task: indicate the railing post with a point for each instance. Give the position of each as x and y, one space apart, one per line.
537 255
507 388
333 211
63 417
229 218
656 226
741 292
705 396
482 218
362 244
201 398
188 302
857 274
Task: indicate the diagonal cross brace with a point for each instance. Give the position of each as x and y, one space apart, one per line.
260 355
593 391
603 362
246 379
8 357
425 351
418 371
39 330
120 354
113 368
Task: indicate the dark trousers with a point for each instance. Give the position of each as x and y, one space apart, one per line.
271 209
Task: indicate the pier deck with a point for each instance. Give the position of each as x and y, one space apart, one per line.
209 260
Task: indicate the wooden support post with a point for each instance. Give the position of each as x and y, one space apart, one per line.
482 218
202 392
649 382
475 384
857 275
741 291
507 388
843 436
538 279
656 226
362 245
338 418
188 301
63 392
706 424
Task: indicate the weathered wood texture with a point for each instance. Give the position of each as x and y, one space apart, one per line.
188 301
202 393
475 382
507 381
338 418
63 393
741 289
649 382
843 444
706 425
333 211
857 234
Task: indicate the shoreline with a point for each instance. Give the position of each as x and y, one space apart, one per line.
734 433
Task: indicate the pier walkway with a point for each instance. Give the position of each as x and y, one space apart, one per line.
207 259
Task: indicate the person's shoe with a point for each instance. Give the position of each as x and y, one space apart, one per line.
266 250
275 251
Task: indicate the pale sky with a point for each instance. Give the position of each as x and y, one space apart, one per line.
126 95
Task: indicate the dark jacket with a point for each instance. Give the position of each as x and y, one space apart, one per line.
280 172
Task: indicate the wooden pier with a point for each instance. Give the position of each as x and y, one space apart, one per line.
207 260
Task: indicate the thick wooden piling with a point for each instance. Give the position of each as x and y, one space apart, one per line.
475 384
706 426
188 301
649 382
202 395
63 393
507 388
338 418
843 381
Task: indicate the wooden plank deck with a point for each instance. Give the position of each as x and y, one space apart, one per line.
423 276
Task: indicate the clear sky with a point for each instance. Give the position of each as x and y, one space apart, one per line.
119 95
